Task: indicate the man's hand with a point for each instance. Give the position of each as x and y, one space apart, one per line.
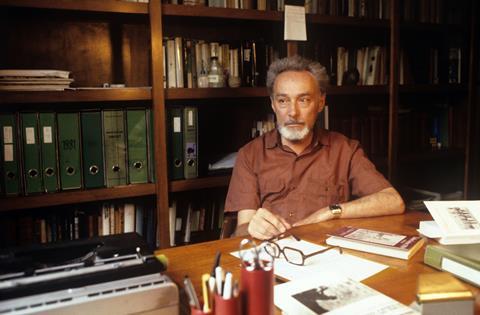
265 225
321 215
262 224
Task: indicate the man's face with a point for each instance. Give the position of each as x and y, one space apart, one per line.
296 102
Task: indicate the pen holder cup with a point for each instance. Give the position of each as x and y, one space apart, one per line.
196 311
256 288
230 306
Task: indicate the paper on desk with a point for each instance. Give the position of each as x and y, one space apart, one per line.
331 261
429 229
330 293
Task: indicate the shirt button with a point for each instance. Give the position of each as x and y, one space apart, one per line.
291 214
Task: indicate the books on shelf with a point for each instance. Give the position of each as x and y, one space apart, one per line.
34 80
440 293
79 221
377 242
458 221
329 293
461 260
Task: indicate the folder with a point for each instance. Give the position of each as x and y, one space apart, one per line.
68 125
115 148
175 136
10 181
137 146
31 154
151 148
190 142
48 143
92 149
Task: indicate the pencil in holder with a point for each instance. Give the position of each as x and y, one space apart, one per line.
256 288
231 306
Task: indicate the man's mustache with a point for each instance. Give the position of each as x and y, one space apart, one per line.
293 122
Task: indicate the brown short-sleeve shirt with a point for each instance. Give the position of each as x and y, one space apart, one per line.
331 170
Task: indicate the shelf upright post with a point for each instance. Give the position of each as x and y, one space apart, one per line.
158 110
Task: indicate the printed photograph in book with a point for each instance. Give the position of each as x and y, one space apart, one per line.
326 298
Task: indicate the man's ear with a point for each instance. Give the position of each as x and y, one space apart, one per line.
321 102
271 104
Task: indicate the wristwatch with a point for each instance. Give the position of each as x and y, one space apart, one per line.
336 210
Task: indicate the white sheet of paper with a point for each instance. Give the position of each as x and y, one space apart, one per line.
294 26
332 293
331 261
429 229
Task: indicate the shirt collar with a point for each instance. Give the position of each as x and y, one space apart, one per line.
273 138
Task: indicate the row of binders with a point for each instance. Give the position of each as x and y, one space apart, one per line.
44 152
183 142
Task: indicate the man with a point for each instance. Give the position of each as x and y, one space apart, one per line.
299 174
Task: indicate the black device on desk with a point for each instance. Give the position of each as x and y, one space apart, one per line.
85 275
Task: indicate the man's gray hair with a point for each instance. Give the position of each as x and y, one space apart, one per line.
297 63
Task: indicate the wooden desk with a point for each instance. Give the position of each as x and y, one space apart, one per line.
399 281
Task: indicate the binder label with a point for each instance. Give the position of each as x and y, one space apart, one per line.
190 118
8 153
7 134
47 134
177 124
30 135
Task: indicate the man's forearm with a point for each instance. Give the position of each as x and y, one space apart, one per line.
384 202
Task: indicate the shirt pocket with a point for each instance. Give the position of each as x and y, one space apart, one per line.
271 191
323 194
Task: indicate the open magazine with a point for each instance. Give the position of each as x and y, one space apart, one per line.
329 293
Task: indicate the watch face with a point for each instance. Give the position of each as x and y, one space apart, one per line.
336 209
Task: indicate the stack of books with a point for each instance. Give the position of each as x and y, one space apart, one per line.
34 80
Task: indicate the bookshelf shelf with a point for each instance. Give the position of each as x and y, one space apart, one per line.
199 183
358 90
433 88
93 95
423 156
78 196
249 92
347 21
112 6
201 93
220 13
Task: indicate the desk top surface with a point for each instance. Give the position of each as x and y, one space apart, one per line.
399 281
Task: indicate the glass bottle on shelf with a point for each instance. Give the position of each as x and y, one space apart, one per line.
216 76
203 78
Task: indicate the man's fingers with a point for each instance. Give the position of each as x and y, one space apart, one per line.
278 222
260 229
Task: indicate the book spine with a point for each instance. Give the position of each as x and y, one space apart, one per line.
434 256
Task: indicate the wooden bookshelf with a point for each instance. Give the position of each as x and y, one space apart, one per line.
199 183
433 88
220 13
203 93
112 6
443 154
77 196
82 95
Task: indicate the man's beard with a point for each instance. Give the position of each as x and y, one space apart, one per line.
293 134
